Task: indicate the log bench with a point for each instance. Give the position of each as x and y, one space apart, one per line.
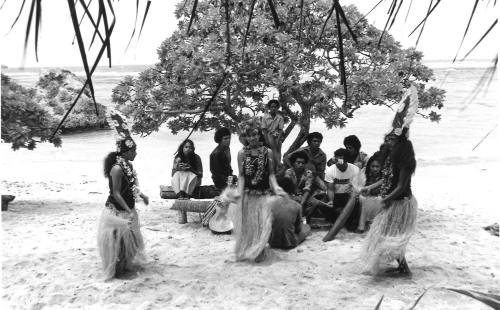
202 197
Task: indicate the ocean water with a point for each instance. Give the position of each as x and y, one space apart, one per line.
463 125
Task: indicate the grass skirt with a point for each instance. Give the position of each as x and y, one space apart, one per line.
389 234
252 219
119 240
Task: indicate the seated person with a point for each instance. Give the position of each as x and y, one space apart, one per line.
356 157
220 159
370 180
187 170
339 179
288 230
317 158
301 177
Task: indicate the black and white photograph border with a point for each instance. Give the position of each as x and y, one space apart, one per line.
128 212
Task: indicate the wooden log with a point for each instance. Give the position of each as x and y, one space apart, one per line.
5 201
201 192
184 205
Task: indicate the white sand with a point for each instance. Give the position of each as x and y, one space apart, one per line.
50 259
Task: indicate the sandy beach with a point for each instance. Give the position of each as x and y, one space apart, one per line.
49 247
50 259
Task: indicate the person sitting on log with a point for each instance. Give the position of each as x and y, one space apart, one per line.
288 230
220 159
187 170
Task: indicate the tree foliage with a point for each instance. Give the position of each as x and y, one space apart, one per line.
24 121
300 68
30 115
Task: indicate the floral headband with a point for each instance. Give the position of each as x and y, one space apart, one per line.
124 141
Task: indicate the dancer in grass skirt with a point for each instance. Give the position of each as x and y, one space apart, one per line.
252 215
393 227
120 240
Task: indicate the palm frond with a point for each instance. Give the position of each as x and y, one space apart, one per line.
491 300
208 104
81 46
466 29
18 14
390 12
423 25
81 19
330 12
408 12
371 10
379 303
38 23
96 26
148 4
346 21
429 12
252 5
343 78
418 300
28 28
193 14
274 14
135 23
1 7
395 14
477 43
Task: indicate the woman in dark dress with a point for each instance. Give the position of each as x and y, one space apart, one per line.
119 237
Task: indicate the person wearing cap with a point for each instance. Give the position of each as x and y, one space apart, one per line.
220 159
120 240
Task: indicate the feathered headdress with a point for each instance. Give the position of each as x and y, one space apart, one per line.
407 109
124 141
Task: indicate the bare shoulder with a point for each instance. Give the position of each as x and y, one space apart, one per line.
116 170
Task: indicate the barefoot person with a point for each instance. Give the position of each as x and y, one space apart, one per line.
187 170
256 183
119 237
394 225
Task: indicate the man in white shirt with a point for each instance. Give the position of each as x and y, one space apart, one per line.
339 179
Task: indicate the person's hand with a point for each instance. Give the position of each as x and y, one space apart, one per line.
385 204
364 190
145 199
280 192
330 162
330 204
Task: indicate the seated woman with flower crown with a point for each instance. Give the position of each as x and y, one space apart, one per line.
187 170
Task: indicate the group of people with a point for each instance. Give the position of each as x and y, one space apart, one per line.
273 199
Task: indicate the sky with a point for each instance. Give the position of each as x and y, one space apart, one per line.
440 40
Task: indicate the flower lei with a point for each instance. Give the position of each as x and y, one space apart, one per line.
130 173
387 177
250 168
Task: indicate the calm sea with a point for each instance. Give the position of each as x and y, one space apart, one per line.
464 123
